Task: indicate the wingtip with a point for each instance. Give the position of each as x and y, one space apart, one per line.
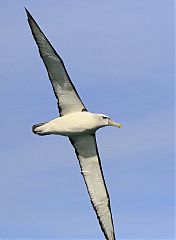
26 10
28 13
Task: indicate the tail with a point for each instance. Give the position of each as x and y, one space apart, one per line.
35 131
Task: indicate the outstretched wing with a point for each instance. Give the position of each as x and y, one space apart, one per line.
65 92
87 154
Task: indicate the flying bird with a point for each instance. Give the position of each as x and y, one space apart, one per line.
79 125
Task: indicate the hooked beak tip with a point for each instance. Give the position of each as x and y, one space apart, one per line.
115 124
119 125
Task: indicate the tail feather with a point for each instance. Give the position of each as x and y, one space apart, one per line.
37 125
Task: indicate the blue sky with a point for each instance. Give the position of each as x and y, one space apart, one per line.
120 56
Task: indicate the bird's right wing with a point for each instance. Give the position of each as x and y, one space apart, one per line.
87 154
65 92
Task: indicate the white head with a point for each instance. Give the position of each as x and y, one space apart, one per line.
104 120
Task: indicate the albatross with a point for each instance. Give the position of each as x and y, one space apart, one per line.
79 125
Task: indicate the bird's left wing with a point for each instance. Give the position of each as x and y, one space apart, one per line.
87 153
65 92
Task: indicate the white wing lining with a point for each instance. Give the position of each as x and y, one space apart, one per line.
87 153
65 92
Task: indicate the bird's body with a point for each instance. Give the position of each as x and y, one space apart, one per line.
70 125
79 125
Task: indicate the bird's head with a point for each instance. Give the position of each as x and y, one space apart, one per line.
104 120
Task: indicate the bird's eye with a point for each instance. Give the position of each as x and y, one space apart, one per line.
105 117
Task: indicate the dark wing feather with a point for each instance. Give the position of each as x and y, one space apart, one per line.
65 92
87 154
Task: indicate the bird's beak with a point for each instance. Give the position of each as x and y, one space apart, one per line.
112 123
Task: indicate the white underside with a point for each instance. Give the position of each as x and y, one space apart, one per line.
70 125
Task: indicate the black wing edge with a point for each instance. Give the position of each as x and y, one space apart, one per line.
77 154
31 19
